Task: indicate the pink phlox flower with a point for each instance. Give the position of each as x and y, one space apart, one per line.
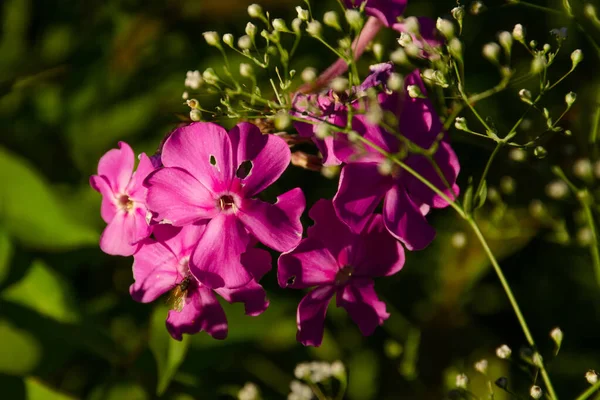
123 200
213 176
337 261
406 199
387 11
162 265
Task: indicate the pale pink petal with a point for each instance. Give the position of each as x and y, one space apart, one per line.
328 229
404 220
216 261
259 160
252 295
120 233
258 262
135 189
180 240
204 150
309 264
376 252
155 272
201 312
276 225
117 166
176 196
359 299
109 208
310 317
360 190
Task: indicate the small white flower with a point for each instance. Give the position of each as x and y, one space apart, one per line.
518 33
399 57
538 64
185 95
525 96
460 123
338 369
535 392
506 40
302 370
248 392
282 120
405 39
591 376
195 115
458 240
300 391
585 236
303 14
250 29
570 98
193 79
503 352
481 366
557 189
462 381
322 130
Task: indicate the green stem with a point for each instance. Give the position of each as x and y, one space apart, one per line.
499 145
594 250
596 126
590 391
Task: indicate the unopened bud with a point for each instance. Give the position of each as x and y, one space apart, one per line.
507 184
557 189
585 236
591 376
339 84
535 392
503 352
185 95
458 13
322 131
576 57
246 70
228 39
491 51
279 25
462 381
212 38
244 42
354 18
506 41
395 82
446 27
518 33
330 18
570 98
374 114
460 123
455 48
533 44
477 7
525 96
540 152
309 75
590 11
458 240
538 64
378 51
386 167
338 369
195 115
517 155
412 25
303 14
282 120
210 76
250 29
537 359
582 168
412 50
296 25
399 57
414 91
481 366
546 47
557 335
249 392
405 39
255 11
314 28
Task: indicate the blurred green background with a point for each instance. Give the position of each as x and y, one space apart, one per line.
77 77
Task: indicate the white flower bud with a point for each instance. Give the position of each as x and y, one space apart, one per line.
458 13
546 47
399 57
491 51
296 25
517 155
405 39
576 57
446 27
570 98
538 64
212 38
249 392
345 43
385 167
540 152
506 41
525 96
250 29
330 18
302 370
412 25
537 359
255 11
503 352
458 240
309 74
195 115
378 50
460 123
462 381
481 366
585 236
210 76
557 189
246 70
477 7
282 120
414 91
354 18
518 33
244 42
455 48
314 28
339 84
582 168
412 50
279 25
338 369
228 39
395 82
322 131
590 11
185 95
591 376
303 14
535 392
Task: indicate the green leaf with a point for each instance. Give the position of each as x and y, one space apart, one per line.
20 352
45 291
119 390
168 352
6 250
36 390
32 214
481 195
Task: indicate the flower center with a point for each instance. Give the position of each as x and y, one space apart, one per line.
124 202
344 275
226 202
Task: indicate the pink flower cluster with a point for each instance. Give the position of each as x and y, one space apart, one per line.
192 220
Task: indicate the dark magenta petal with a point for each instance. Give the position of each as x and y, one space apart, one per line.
360 190
387 11
216 260
269 156
201 312
360 300
203 149
252 295
257 261
310 317
154 270
404 220
309 264
328 229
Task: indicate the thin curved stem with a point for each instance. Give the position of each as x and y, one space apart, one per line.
590 391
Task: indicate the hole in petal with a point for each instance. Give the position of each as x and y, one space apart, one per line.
290 280
244 169
213 160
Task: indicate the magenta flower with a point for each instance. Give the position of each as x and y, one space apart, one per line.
406 199
123 200
338 261
211 175
162 265
387 11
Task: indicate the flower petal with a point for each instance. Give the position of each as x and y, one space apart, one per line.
117 166
448 164
376 252
328 229
269 156
252 295
258 262
135 189
360 190
310 317
216 260
154 270
309 264
180 240
404 220
121 235
201 312
360 300
276 225
387 11
176 196
204 150
109 207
